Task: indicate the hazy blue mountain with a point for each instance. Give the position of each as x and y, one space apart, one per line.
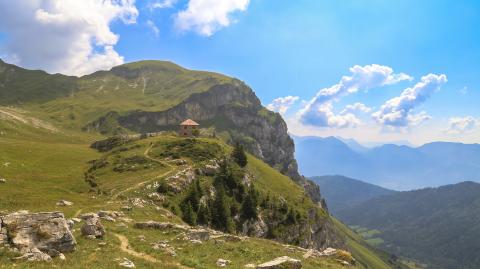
390 166
353 144
439 226
342 192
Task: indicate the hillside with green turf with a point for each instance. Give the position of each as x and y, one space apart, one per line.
252 212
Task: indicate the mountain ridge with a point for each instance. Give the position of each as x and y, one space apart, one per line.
437 226
391 166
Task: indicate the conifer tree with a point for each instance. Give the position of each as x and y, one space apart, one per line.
221 218
203 216
239 156
249 205
189 215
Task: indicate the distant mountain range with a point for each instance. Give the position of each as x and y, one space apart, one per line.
436 226
342 192
391 166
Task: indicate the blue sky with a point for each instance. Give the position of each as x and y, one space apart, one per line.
297 48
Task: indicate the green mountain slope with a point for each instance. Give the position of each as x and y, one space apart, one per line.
342 192
45 157
437 226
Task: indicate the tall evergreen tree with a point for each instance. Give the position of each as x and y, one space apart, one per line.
189 215
239 156
249 205
221 218
203 216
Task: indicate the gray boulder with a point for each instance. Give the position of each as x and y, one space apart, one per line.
93 227
37 235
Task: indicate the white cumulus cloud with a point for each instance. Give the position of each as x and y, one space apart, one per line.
319 110
282 104
357 107
397 112
459 125
205 17
66 36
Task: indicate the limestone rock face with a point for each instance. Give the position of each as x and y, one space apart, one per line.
284 262
37 235
234 103
316 232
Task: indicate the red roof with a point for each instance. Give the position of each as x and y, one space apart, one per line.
189 122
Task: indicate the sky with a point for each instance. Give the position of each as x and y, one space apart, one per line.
378 71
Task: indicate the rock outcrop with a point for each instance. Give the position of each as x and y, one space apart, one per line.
38 236
231 107
284 262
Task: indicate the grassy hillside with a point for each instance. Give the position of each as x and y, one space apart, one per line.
45 167
436 226
45 157
73 102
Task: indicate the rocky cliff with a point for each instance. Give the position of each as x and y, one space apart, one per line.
231 108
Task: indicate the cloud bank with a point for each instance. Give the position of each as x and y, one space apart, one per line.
319 111
397 112
459 125
68 36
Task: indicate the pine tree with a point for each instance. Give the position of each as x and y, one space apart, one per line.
189 215
199 188
239 156
249 205
193 196
221 218
203 216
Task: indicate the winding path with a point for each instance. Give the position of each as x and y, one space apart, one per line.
125 247
139 185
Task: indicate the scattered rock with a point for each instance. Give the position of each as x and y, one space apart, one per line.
210 170
199 234
93 227
76 220
223 263
2 180
64 203
165 247
138 202
38 236
70 224
127 263
250 265
328 252
126 208
179 162
284 262
110 215
153 225
157 197
62 257
180 181
34 255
